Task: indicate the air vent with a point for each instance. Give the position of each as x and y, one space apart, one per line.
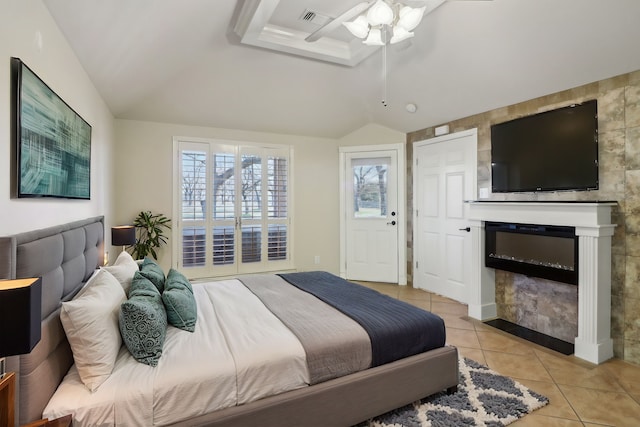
314 17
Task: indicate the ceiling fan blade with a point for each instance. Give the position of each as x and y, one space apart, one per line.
335 23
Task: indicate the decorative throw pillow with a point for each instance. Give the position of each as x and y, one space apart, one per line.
179 301
90 322
123 269
143 321
152 271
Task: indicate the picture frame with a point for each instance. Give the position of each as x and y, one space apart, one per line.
51 143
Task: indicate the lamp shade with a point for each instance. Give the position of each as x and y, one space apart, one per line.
123 235
20 311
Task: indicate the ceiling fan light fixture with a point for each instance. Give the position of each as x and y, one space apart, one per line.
380 14
400 34
409 17
374 38
359 27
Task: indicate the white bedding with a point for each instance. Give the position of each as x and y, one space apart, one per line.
239 352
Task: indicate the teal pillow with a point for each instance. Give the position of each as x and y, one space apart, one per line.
152 271
143 321
179 301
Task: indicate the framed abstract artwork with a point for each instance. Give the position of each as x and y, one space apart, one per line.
51 143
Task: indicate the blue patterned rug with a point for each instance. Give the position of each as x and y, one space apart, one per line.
484 398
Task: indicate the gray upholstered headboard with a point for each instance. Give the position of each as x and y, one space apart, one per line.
64 256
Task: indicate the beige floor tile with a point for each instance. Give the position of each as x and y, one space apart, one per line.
462 338
496 341
425 305
536 420
517 366
414 294
570 372
384 288
480 326
472 353
603 407
389 292
440 298
627 374
455 321
558 406
439 307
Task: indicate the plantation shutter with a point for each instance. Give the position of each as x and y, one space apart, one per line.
233 208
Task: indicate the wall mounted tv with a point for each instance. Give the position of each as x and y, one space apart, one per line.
551 151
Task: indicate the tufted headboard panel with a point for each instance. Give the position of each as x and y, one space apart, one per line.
64 256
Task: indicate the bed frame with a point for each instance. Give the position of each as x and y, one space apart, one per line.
65 256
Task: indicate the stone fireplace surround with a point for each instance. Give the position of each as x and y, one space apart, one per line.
592 221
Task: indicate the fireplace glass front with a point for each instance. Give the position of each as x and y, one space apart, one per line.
545 251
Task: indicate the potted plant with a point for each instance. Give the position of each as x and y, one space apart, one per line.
150 235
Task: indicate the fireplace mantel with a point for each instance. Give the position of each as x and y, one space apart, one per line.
594 229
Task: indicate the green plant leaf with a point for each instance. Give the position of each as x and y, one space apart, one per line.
150 229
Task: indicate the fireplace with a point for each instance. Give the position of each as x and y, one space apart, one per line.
545 251
593 229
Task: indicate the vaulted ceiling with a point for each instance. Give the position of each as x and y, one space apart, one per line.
185 62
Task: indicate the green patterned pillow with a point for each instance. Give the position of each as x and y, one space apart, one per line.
143 321
152 271
179 301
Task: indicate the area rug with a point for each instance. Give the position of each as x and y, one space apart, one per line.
484 398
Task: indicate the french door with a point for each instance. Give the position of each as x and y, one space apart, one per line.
232 208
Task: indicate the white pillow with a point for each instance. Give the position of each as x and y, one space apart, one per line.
90 321
123 270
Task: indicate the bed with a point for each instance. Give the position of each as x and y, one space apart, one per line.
66 256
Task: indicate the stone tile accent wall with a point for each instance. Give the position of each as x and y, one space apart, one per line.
539 304
619 157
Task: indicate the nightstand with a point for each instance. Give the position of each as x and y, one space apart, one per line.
7 399
58 422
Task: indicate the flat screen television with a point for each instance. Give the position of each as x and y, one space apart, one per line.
552 151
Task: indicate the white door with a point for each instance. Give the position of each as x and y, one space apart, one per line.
444 177
372 221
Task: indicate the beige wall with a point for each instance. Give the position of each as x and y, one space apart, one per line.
373 134
55 63
143 174
619 154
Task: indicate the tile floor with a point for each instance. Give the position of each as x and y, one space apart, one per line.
580 393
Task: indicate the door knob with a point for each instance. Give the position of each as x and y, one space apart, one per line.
391 223
467 229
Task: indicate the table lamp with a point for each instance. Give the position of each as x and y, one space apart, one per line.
20 312
123 235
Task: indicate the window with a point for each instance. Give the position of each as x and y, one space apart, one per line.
233 208
370 187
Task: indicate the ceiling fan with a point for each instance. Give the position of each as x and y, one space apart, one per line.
360 28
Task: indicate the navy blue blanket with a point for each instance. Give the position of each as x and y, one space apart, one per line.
396 329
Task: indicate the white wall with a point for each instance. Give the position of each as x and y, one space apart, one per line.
56 64
143 174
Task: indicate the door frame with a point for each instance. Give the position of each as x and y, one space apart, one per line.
474 177
401 209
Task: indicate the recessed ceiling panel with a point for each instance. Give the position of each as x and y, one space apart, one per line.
277 25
